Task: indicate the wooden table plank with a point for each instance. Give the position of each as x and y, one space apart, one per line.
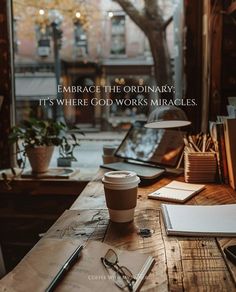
91 197
216 195
81 225
203 265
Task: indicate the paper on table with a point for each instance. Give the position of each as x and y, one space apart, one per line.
216 220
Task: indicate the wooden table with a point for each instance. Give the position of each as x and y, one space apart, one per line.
182 263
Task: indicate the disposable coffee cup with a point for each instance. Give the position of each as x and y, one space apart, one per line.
109 159
109 149
121 194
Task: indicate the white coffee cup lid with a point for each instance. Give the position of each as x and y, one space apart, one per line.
119 180
120 177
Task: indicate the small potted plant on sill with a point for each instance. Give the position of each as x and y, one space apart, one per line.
36 140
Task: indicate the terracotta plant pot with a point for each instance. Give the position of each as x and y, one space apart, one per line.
40 157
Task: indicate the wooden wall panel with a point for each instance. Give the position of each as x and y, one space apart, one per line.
5 84
193 59
216 23
228 57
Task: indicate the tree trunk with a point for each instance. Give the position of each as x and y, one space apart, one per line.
151 22
161 59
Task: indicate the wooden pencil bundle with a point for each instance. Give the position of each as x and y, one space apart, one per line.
199 143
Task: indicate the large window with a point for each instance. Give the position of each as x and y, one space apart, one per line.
51 49
77 44
81 45
118 43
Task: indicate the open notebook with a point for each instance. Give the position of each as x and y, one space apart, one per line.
189 220
176 191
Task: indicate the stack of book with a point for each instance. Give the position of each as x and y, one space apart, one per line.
217 133
212 157
223 135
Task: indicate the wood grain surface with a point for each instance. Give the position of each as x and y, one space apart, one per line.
182 263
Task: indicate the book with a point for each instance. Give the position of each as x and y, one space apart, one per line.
189 220
87 274
176 191
139 264
232 100
56 173
231 109
1 100
217 134
222 152
230 146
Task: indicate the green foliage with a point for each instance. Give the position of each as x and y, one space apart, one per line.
33 133
37 133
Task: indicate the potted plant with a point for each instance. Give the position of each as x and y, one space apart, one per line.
36 140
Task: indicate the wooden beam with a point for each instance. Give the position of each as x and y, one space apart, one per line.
6 85
216 60
193 59
206 57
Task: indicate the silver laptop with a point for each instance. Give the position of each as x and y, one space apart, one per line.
148 152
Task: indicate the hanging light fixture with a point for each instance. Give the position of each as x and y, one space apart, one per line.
167 117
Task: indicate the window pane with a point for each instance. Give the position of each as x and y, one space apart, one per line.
118 35
73 57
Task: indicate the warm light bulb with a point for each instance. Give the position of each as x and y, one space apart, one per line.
110 14
141 81
41 12
77 14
